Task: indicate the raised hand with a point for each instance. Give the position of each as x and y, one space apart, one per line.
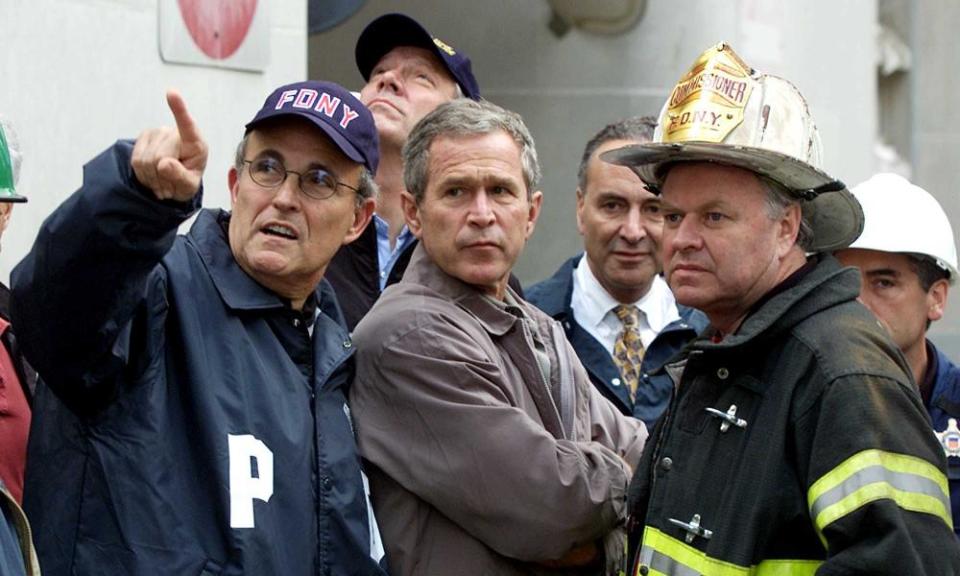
170 161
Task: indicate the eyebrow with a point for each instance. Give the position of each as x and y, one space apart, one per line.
270 152
602 195
419 65
881 272
705 207
467 181
276 154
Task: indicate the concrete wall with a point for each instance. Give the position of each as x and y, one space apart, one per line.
77 75
568 88
936 129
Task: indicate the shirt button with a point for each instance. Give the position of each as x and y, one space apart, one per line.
615 381
347 344
666 463
325 482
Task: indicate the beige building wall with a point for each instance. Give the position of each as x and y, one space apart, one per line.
935 123
77 75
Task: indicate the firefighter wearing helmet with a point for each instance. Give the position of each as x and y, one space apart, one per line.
794 442
907 258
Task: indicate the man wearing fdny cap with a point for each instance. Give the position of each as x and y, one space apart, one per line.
408 73
795 442
194 419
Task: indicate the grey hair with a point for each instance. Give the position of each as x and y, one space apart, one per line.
465 117
779 198
367 188
637 128
13 147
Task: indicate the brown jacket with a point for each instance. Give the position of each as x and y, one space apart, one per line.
478 466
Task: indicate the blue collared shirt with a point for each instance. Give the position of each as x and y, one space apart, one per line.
386 257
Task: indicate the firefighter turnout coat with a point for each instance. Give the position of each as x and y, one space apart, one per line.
797 445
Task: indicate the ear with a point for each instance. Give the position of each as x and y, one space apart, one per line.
580 201
789 229
937 299
6 209
233 180
533 212
361 217
411 213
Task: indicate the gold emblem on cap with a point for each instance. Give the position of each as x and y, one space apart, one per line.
444 46
708 102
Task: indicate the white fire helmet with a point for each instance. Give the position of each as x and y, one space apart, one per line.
725 112
905 218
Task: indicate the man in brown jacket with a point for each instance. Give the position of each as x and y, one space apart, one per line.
488 450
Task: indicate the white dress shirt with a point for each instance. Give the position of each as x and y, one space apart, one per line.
593 308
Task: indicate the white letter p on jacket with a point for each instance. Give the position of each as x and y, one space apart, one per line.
245 449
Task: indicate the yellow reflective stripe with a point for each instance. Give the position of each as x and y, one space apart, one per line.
889 460
788 567
666 556
912 483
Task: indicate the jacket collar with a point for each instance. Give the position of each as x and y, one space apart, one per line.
825 286
424 272
553 294
237 289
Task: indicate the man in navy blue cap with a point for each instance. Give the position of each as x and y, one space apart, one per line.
194 418
408 73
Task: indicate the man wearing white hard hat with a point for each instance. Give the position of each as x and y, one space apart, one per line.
795 442
908 260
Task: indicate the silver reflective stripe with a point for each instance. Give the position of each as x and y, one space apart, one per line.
665 564
899 480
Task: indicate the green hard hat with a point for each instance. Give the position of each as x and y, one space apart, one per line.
8 192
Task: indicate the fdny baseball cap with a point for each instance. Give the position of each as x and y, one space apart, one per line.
391 30
331 108
724 111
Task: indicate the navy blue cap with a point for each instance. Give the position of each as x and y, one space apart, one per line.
392 30
331 108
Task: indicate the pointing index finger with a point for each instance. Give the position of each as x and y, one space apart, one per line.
185 126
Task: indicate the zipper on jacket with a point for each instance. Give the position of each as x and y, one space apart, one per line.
544 378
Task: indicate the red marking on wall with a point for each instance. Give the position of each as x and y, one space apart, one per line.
218 27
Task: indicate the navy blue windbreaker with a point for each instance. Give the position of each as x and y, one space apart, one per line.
945 404
553 296
176 434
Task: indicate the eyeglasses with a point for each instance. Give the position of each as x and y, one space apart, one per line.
316 183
